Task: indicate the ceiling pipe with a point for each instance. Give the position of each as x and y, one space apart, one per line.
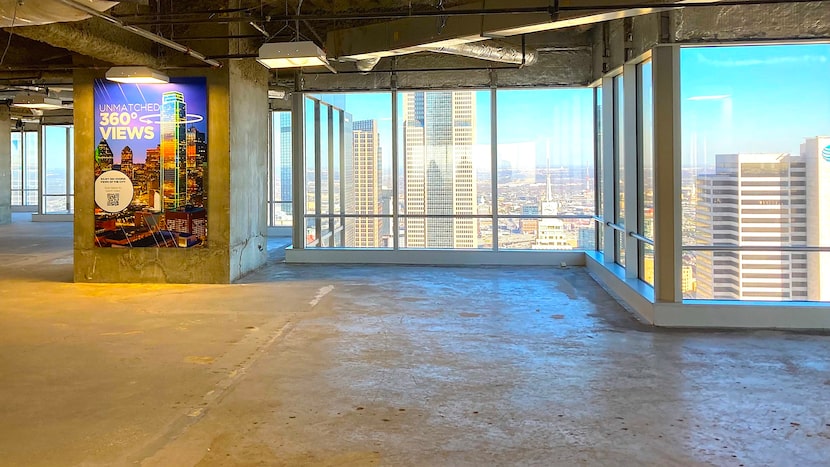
141 32
495 51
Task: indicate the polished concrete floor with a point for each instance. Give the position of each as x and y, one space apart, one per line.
357 365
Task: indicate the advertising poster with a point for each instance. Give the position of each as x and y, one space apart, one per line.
150 164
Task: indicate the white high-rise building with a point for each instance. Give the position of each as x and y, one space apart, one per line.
752 200
438 132
816 153
367 172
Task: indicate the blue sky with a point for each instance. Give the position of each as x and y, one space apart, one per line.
753 99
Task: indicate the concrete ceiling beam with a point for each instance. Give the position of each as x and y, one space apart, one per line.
95 39
411 34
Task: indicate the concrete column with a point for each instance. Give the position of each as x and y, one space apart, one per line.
667 174
5 166
249 121
236 187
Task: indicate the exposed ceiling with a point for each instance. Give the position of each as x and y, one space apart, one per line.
43 41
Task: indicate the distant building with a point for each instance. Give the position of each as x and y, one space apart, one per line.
752 200
438 130
103 157
367 171
816 153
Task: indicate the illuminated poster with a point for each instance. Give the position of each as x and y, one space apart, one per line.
151 164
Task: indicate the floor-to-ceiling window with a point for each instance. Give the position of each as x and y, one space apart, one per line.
645 165
598 168
58 170
619 170
546 169
25 168
349 174
756 172
279 181
444 186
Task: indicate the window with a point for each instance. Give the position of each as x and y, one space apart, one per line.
545 169
279 199
646 169
753 150
619 171
57 170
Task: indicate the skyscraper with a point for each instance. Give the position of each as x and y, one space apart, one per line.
752 200
103 157
286 150
439 127
127 161
367 186
816 153
173 150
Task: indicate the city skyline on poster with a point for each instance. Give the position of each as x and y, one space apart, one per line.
150 164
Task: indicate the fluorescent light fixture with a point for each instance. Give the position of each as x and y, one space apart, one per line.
39 101
276 94
136 74
292 55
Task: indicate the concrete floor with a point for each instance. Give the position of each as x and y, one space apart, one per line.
352 366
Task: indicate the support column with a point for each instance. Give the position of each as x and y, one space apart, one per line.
5 166
667 174
236 189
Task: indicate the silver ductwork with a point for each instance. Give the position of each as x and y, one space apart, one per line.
494 51
39 12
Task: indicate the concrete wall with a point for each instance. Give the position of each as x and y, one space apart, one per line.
249 134
5 166
155 265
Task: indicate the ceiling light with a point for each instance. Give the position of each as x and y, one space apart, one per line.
292 55
36 101
136 74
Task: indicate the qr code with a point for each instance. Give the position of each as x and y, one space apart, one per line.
113 199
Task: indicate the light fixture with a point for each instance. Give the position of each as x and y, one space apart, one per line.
34 100
292 55
137 75
276 93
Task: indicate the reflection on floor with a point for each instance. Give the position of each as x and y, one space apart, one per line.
360 365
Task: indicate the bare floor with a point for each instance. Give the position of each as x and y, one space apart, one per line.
411 366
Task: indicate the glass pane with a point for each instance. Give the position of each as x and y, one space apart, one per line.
545 161
362 166
619 170
546 234
326 153
54 160
444 148
598 162
31 163
17 168
756 170
311 145
647 169
281 169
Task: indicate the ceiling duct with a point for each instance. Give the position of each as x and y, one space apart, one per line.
39 12
494 51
